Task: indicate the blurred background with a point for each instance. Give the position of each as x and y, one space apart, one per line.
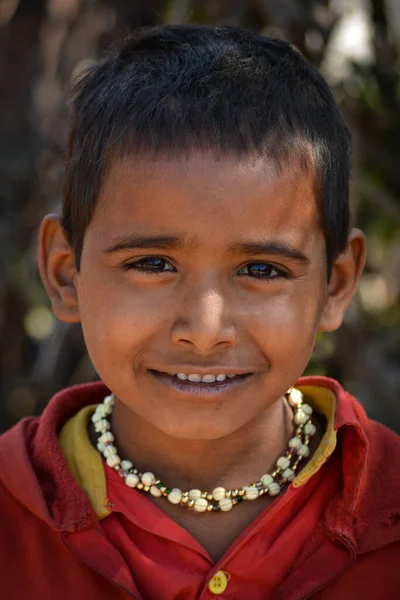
43 43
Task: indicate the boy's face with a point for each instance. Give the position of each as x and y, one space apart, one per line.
203 309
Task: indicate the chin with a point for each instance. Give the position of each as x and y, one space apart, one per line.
197 429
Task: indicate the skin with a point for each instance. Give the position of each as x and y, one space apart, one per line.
205 308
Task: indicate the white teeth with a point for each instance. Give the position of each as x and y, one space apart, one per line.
194 377
203 379
208 379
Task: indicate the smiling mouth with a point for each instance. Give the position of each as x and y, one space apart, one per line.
201 384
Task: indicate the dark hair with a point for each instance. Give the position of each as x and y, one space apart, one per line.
176 88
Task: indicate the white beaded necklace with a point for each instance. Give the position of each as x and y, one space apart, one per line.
219 499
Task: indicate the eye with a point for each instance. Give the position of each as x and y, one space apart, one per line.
262 271
150 265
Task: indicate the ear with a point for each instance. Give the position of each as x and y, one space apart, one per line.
343 283
58 270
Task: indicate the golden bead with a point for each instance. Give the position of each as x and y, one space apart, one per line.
235 493
204 495
190 504
228 494
139 486
210 508
241 492
209 497
146 488
184 500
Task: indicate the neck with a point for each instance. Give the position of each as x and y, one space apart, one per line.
231 462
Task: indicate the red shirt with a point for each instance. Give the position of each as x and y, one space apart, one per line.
168 562
334 536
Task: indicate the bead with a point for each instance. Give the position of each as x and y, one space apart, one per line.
154 491
108 400
126 465
184 500
274 489
303 451
295 397
225 504
109 450
228 494
175 496
282 462
306 408
191 503
113 460
102 426
300 417
148 478
288 474
309 429
210 508
200 505
219 493
295 443
100 447
194 494
106 437
209 497
251 493
266 480
146 488
132 480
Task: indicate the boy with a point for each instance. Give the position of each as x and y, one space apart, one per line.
204 242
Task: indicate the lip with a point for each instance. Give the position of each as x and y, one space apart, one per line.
198 389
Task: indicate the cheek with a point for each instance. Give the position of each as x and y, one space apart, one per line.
287 325
118 318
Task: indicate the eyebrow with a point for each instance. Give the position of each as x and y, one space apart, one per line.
135 242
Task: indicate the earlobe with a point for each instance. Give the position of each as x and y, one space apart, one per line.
58 270
343 283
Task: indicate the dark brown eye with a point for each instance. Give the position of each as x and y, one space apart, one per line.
261 271
150 264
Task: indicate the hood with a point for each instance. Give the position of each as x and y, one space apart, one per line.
366 511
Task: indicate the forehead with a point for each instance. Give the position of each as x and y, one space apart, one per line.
206 198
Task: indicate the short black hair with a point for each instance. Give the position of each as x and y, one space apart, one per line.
171 89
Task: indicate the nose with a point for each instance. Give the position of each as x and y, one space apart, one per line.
204 323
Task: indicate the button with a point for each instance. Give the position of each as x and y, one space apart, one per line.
219 583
